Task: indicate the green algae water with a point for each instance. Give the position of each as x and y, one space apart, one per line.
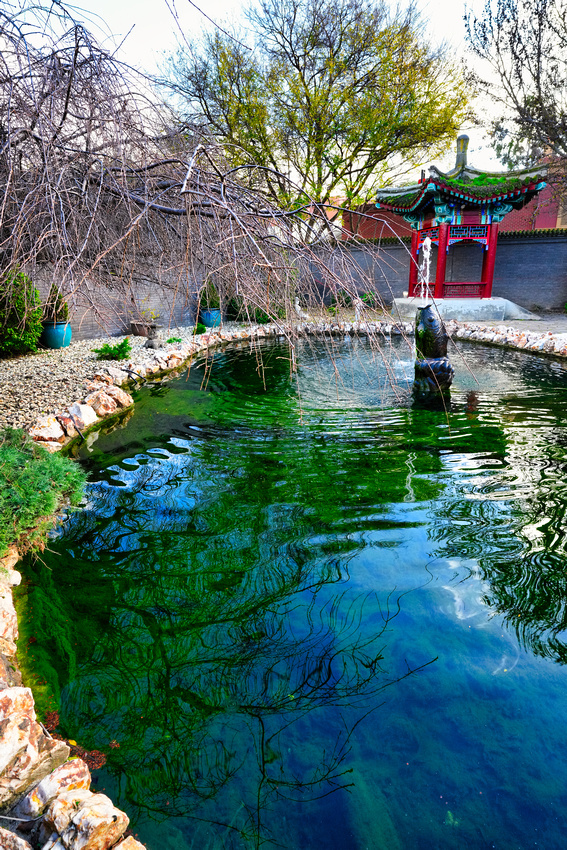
299 612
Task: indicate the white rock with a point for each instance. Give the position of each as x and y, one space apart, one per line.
71 776
9 841
102 403
11 558
129 844
48 429
84 821
84 413
50 447
120 396
8 616
117 375
26 753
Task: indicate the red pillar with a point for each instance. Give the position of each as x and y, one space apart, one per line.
413 264
441 260
487 275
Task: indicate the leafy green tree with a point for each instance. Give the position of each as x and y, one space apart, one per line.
328 97
523 46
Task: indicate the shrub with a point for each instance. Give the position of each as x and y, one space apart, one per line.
33 483
20 315
370 299
260 317
173 339
199 328
341 299
237 310
210 296
120 351
55 309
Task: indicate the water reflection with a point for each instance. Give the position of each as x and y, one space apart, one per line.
221 640
259 560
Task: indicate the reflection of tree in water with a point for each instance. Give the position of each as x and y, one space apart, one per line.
226 630
512 521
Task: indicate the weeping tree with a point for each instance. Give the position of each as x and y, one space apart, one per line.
332 95
101 187
523 48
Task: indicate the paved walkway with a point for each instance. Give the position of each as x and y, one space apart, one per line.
554 322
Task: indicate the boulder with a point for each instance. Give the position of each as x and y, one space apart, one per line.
129 843
81 819
11 841
94 385
68 424
8 616
26 753
104 377
48 429
122 398
118 376
84 414
50 447
10 559
71 776
174 359
8 575
101 403
138 369
10 676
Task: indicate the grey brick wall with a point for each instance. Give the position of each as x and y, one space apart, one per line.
532 272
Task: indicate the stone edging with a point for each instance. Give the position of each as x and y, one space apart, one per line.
48 794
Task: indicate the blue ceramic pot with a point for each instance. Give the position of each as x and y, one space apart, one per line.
56 334
211 318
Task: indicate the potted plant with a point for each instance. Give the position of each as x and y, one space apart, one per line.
56 328
209 310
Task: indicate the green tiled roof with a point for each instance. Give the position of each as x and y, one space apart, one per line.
466 185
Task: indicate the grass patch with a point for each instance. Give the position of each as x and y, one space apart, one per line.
33 483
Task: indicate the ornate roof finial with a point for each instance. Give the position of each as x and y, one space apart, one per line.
462 147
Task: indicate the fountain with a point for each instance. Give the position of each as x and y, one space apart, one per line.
425 269
433 370
279 587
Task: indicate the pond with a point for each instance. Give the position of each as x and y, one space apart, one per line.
299 612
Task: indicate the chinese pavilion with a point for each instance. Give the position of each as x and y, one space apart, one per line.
461 205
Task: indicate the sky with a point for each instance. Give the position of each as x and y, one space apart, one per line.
145 31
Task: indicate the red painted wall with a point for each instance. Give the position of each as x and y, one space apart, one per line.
380 225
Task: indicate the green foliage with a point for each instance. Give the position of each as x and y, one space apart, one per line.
33 483
120 351
199 329
330 92
173 339
261 318
210 296
238 310
20 315
341 299
55 309
370 299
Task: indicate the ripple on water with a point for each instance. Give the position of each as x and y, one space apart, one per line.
301 582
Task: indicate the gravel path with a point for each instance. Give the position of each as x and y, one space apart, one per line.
49 381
